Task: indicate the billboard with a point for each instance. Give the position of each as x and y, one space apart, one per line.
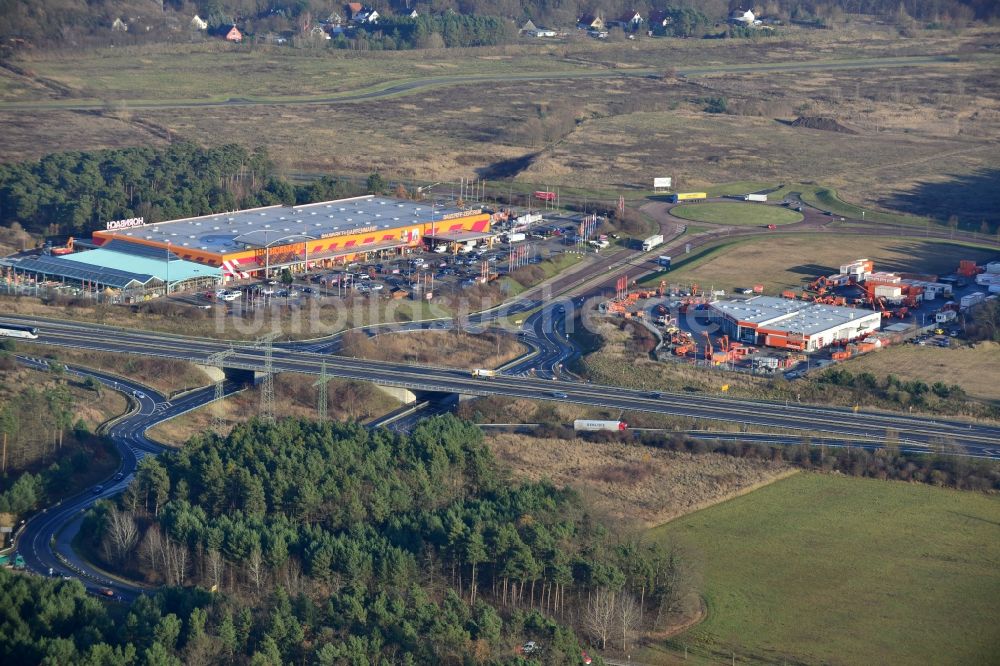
662 183
115 225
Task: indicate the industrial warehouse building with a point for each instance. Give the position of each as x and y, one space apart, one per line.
792 324
255 242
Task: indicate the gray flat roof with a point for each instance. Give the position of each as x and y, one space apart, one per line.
224 233
784 314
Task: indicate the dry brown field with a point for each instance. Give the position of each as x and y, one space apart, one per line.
635 485
975 368
921 131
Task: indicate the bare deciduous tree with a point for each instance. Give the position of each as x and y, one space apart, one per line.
215 565
255 569
599 617
121 533
628 617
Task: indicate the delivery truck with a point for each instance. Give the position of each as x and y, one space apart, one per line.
756 197
587 425
652 242
482 373
514 238
688 196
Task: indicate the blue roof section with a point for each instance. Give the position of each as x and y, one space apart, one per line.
151 265
138 250
59 267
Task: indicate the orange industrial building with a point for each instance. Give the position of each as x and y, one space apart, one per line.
255 242
790 324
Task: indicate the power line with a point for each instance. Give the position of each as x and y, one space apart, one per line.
217 360
322 397
267 384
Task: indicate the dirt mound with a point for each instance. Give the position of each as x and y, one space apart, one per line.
825 124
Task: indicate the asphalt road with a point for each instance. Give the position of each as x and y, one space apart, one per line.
46 541
976 438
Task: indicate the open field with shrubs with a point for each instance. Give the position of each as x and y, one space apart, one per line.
826 569
771 260
295 396
632 484
490 349
739 214
706 119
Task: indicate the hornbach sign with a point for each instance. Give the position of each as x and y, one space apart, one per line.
116 225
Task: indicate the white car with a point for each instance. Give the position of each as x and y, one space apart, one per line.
440 249
375 286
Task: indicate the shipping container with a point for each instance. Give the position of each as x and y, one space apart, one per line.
972 299
688 196
944 316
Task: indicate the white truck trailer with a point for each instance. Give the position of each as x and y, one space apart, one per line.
652 242
482 373
762 198
586 425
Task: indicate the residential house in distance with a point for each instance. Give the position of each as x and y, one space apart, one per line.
318 32
658 19
234 35
359 14
629 21
413 14
198 23
742 17
591 22
119 26
529 29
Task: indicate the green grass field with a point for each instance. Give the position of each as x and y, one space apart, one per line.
743 214
833 570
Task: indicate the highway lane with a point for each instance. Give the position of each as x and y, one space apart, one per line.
977 438
46 541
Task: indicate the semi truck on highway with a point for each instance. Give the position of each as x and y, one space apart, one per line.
652 242
514 238
586 425
756 197
483 373
688 196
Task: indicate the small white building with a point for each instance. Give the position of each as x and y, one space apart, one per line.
198 23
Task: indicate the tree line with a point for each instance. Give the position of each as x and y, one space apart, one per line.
79 192
57 23
416 546
44 443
